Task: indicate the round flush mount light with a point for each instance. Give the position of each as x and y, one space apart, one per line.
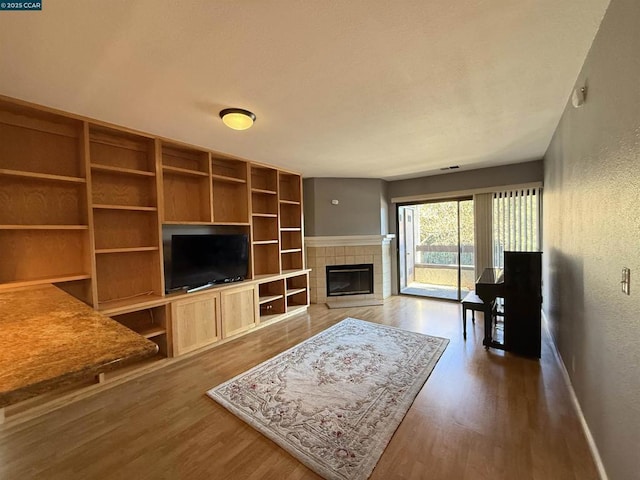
237 118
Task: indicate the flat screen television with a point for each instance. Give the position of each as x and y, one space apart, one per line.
206 259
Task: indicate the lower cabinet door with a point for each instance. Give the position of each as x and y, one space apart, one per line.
195 322
239 307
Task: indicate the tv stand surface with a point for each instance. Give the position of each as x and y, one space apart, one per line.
201 287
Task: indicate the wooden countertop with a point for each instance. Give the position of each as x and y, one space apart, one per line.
49 338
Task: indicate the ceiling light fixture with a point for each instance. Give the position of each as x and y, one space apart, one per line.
237 118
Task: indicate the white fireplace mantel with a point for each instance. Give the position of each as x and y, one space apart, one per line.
348 240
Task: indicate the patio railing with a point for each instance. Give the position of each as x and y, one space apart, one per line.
437 265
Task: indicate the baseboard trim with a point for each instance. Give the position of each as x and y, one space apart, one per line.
576 404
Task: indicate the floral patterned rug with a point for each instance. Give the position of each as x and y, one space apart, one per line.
335 400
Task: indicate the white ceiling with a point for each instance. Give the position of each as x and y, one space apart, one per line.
341 88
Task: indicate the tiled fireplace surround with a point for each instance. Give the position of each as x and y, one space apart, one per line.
349 250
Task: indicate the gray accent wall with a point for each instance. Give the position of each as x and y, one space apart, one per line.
591 220
469 179
361 210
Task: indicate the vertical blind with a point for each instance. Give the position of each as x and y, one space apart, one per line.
516 222
483 231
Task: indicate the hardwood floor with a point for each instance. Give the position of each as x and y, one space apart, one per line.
480 415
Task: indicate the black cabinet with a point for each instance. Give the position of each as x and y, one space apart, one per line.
522 302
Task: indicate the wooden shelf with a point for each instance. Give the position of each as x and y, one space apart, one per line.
231 224
263 276
269 298
186 184
290 241
44 280
290 229
266 259
40 144
260 190
121 170
264 242
126 305
127 277
34 257
229 168
295 290
40 123
184 171
152 331
292 260
290 215
291 271
124 229
126 250
41 176
265 215
44 227
230 200
290 188
264 179
117 139
264 204
224 178
174 222
125 207
121 160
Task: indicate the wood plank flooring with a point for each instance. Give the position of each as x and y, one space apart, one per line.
481 415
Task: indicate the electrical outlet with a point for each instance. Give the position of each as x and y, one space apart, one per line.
626 281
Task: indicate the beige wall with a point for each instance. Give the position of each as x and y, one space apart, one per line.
591 229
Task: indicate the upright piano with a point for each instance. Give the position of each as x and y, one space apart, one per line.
520 285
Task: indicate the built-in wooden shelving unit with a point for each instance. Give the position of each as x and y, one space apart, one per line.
44 225
290 211
83 205
125 215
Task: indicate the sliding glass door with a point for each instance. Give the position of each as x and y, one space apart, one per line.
435 242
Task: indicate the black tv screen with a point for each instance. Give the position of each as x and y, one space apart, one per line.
198 260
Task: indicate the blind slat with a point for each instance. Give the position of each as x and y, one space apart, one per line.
516 222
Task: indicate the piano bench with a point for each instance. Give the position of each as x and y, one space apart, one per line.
474 303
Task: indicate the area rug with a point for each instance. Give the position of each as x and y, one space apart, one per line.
335 400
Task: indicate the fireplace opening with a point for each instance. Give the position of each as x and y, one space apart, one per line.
349 279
